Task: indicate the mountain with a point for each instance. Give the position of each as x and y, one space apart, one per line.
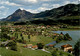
19 15
68 11
68 14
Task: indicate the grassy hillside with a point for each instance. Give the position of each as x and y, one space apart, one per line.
22 52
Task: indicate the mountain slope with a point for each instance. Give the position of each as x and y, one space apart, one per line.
19 15
65 11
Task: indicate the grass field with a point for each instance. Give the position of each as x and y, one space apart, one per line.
35 39
22 52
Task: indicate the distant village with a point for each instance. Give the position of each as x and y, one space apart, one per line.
31 30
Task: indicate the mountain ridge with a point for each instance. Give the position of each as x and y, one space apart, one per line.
55 13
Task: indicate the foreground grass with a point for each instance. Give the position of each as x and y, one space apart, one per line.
22 52
5 52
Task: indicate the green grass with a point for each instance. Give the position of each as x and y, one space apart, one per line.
22 52
35 39
38 39
59 51
5 52
68 29
29 52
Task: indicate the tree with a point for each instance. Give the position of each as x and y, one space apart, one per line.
29 37
16 29
12 45
77 48
59 39
22 37
61 33
54 53
40 45
57 52
16 35
3 29
67 37
21 34
20 40
4 36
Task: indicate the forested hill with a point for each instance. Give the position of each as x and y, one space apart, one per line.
69 14
63 11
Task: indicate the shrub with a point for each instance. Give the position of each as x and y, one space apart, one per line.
40 45
77 48
12 45
57 52
2 45
20 40
24 42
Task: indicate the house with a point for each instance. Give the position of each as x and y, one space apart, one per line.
29 45
25 46
7 47
48 26
51 45
55 34
67 48
35 47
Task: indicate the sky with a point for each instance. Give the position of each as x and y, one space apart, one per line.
7 7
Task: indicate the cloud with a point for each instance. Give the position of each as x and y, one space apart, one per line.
36 10
45 5
46 0
66 2
3 11
30 10
25 2
1 7
43 8
9 3
31 1
56 5
75 2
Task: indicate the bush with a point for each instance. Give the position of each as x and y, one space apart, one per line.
60 53
2 45
12 45
67 37
3 39
14 48
40 45
24 42
54 53
4 36
20 40
77 48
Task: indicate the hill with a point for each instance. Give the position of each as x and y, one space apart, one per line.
19 15
69 12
